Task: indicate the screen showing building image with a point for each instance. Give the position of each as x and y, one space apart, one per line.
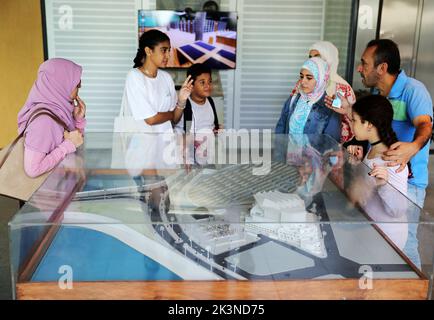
195 37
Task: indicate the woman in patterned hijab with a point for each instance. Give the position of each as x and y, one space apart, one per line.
306 113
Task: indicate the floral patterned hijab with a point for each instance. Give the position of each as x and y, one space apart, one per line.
321 72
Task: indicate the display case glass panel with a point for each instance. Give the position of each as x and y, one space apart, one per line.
242 214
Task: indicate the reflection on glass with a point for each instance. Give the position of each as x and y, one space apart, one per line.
382 203
263 206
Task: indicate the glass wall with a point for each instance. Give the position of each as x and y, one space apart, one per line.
272 43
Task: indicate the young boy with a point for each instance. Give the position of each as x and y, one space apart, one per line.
200 109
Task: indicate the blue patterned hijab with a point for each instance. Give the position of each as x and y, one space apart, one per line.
320 71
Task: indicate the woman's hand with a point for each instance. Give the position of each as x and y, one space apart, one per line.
345 108
74 136
79 109
185 91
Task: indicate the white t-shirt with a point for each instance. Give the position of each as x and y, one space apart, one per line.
202 118
386 206
397 180
144 97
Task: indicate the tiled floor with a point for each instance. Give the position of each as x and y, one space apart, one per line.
9 207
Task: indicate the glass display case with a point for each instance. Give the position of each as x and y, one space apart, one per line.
240 215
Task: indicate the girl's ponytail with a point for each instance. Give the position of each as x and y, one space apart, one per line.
150 39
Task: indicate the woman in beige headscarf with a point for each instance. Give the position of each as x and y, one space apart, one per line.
328 52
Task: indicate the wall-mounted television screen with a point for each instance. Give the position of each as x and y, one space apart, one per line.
195 37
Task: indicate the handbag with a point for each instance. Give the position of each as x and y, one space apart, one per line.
124 123
14 182
123 128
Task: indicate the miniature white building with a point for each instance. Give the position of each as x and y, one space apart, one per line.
282 216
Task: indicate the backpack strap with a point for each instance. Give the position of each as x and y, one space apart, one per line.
216 120
188 114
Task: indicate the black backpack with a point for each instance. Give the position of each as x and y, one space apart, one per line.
188 114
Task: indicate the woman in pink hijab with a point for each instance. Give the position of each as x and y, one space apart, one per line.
47 142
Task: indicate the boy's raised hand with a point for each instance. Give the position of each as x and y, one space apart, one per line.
186 89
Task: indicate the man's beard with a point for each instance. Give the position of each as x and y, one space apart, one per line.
371 80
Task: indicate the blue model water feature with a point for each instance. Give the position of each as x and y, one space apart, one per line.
95 256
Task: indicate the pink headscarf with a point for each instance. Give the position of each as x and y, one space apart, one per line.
56 80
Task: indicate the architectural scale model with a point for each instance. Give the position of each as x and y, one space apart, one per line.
282 216
191 227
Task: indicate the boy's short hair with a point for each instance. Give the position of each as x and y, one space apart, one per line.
197 69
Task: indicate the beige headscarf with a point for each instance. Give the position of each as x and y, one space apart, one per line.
330 53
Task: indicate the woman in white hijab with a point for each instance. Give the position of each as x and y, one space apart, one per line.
328 52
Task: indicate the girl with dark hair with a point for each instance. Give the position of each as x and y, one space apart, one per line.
149 94
372 121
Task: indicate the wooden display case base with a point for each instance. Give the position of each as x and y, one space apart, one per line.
391 289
